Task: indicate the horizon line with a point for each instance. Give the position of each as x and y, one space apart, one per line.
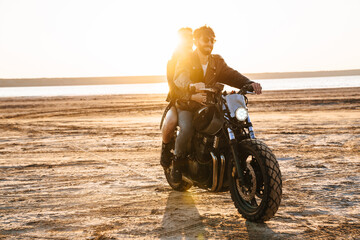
115 80
260 73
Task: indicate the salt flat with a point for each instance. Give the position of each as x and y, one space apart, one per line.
88 168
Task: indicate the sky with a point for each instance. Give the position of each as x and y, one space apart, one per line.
94 38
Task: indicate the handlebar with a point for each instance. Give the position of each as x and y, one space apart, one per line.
246 89
216 88
210 90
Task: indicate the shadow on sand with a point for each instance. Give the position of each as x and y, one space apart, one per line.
181 218
260 231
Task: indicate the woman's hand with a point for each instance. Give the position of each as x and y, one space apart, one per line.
197 86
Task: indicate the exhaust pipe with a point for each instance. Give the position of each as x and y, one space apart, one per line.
215 171
222 171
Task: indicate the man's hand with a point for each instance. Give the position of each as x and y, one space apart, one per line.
199 97
257 88
197 86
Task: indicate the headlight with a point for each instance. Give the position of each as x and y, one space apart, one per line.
241 114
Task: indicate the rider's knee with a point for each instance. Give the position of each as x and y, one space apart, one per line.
172 121
170 124
172 116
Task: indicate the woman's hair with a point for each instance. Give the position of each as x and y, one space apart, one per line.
204 31
181 30
185 38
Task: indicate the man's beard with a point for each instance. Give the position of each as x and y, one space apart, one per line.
205 51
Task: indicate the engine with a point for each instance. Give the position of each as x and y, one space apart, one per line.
203 146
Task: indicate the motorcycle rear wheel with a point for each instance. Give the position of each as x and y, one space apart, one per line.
181 187
258 198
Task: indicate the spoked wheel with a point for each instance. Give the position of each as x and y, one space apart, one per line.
258 197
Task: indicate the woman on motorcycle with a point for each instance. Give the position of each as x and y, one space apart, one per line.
170 119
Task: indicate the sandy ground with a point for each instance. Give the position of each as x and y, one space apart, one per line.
88 168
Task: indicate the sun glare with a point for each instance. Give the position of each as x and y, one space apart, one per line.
120 38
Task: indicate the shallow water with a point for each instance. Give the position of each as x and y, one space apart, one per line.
153 88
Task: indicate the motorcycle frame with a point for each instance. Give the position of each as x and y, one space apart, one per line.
233 142
230 123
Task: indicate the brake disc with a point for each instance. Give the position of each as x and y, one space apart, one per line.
247 192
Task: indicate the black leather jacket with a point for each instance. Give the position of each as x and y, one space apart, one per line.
189 71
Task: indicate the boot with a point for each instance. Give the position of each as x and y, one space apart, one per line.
176 175
166 155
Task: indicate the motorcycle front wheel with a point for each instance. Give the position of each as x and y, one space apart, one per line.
258 197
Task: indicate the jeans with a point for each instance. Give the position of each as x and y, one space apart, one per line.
183 140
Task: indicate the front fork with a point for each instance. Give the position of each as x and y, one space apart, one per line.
251 129
240 165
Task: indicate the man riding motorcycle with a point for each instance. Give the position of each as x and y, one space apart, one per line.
201 69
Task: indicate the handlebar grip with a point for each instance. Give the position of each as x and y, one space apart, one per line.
248 88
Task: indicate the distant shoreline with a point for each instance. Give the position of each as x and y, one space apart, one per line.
32 82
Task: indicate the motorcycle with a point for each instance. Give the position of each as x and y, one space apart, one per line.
225 155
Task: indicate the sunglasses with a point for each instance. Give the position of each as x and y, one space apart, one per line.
207 39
